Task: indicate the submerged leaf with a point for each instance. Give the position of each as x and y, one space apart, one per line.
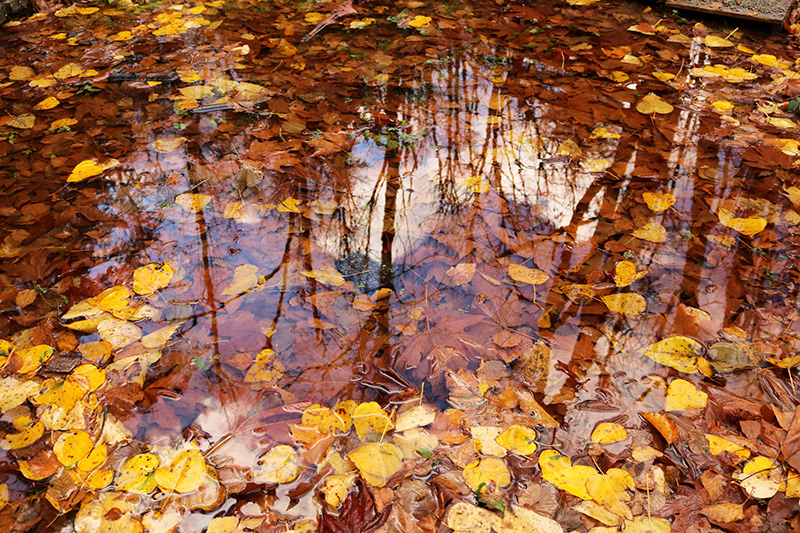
279 465
678 352
629 303
377 462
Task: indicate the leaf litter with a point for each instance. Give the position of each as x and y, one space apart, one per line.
397 268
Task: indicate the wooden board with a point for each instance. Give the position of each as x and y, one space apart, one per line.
770 11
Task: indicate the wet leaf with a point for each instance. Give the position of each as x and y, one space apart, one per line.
89 168
745 226
652 231
72 447
625 273
652 103
326 276
186 473
629 303
33 358
266 370
416 417
718 445
714 41
151 278
678 352
518 439
465 517
193 202
488 474
21 122
523 274
559 471
608 432
484 440
760 477
245 277
118 333
14 393
336 487
658 201
609 490
682 395
462 273
28 432
137 474
48 103
725 513
278 465
370 418
377 462
419 21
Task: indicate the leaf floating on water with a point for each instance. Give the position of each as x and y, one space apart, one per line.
165 146
369 418
608 432
487 472
682 395
266 370
629 303
658 202
193 202
326 275
678 352
652 231
245 277
652 103
523 274
518 439
760 477
559 471
718 445
72 447
745 226
151 278
89 168
136 475
279 465
186 472
377 462
625 273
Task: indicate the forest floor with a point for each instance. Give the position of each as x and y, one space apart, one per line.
401 267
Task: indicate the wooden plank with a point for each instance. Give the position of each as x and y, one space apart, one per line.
770 11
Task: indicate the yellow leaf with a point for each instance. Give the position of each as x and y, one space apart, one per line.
713 41
193 202
84 170
62 123
377 462
518 439
677 352
792 485
462 273
19 72
581 2
245 277
663 76
718 445
159 338
608 432
660 201
70 70
279 465
289 205
783 123
722 105
28 433
48 103
625 273
768 60
118 333
164 146
34 357
326 275
185 474
21 122
416 417
136 475
745 226
150 278
335 488
603 133
317 416
72 447
224 524
3 495
95 459
266 370
559 471
629 303
121 36
610 490
760 477
523 274
342 415
369 418
652 231
578 292
487 475
682 395
419 21
725 512
14 393
483 438
314 17
86 10
463 517
652 103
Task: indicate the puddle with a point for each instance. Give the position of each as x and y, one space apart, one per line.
398 210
